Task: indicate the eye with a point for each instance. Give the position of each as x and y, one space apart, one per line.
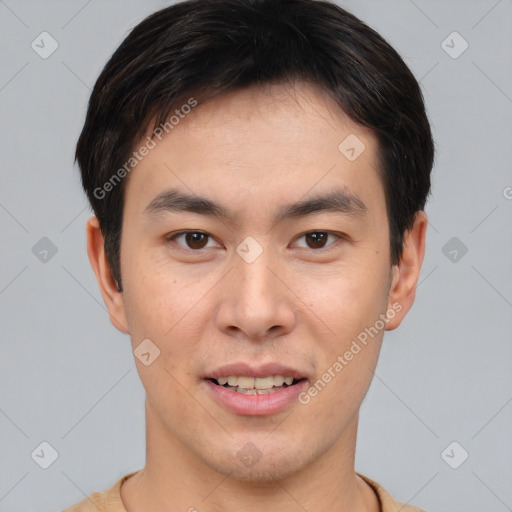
193 239
317 239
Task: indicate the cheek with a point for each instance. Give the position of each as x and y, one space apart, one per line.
351 299
168 307
346 357
351 306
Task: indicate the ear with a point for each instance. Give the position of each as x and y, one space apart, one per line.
113 298
405 275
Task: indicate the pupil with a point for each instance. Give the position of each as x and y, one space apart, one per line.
316 239
195 239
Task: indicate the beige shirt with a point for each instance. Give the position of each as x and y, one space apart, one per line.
110 500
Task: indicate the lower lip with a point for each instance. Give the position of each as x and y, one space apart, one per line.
256 405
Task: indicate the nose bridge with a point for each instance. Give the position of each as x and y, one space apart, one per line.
256 301
253 279
251 262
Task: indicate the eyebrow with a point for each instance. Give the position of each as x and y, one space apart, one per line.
336 201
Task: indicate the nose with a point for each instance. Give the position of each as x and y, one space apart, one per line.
256 302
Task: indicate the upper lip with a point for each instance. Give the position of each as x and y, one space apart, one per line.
247 370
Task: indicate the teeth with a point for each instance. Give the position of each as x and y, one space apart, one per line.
246 391
278 380
264 382
232 381
254 391
244 384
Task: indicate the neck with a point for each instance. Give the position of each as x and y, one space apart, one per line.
174 478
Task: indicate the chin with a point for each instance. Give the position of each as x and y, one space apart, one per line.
251 466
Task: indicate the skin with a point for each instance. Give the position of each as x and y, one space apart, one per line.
253 151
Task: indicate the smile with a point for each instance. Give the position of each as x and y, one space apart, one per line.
255 385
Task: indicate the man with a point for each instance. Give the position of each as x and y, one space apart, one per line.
258 171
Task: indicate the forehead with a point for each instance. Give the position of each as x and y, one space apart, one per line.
261 145
294 104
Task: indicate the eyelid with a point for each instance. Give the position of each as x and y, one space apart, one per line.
172 236
337 235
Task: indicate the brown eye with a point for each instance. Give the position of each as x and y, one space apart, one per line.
196 240
316 239
192 239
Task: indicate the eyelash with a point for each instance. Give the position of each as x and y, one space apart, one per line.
338 236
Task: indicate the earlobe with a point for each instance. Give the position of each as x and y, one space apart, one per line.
405 275
112 297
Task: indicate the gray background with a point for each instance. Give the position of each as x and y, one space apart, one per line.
69 378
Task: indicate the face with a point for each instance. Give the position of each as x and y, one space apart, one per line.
255 249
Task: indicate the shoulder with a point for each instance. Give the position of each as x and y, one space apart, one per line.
388 503
93 503
108 501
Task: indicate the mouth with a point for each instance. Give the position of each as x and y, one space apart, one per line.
256 385
255 391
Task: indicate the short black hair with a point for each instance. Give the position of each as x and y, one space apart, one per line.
201 48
